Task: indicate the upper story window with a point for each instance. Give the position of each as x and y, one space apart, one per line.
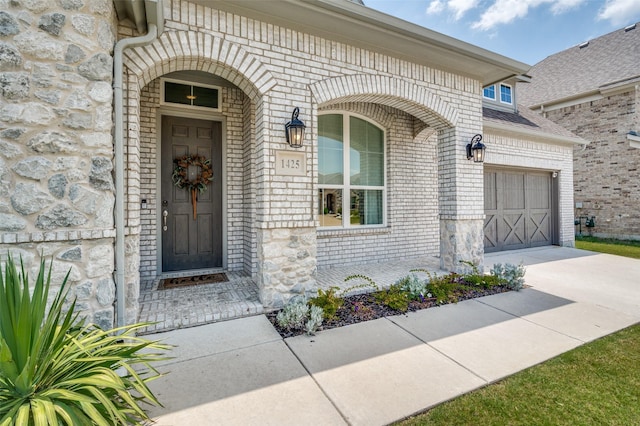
351 171
198 96
489 92
505 94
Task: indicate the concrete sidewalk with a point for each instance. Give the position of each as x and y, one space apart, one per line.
241 372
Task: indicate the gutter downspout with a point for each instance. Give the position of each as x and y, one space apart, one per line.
121 45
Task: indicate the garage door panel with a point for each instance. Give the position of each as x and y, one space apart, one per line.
540 229
490 232
518 209
513 191
512 230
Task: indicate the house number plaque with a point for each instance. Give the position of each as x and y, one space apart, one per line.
291 163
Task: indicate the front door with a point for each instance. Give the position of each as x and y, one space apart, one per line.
191 230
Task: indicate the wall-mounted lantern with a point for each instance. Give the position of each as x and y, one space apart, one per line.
295 130
475 149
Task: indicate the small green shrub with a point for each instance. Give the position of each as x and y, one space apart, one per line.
298 315
511 275
55 370
294 315
329 301
395 297
414 286
443 288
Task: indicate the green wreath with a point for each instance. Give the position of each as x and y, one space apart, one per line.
180 178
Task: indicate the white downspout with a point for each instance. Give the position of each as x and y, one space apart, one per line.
121 45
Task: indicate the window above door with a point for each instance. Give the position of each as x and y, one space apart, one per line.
189 95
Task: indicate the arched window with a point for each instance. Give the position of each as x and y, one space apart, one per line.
351 171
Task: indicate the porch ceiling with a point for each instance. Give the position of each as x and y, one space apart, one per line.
364 27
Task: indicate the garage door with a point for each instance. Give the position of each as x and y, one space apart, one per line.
519 209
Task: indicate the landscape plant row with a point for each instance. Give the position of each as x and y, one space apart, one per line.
308 314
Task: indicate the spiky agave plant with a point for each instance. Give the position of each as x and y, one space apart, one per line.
55 369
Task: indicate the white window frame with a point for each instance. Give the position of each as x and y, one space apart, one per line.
346 187
510 92
494 92
192 85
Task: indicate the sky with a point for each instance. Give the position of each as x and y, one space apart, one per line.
524 30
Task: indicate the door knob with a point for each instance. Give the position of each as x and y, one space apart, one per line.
164 219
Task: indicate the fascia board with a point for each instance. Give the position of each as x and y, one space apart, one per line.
491 126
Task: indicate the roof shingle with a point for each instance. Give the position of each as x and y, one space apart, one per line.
613 57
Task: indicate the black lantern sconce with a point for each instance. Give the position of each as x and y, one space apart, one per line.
295 130
475 149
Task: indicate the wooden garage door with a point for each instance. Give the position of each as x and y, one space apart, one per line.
519 209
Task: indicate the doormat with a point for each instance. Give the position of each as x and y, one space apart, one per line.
194 280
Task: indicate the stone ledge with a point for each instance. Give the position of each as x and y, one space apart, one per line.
37 237
358 232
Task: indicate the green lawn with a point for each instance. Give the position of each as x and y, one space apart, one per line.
595 384
625 248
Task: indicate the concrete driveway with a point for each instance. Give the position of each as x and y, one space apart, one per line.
241 372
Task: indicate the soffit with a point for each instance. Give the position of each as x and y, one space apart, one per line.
360 26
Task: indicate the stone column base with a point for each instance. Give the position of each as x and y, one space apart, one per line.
461 240
286 264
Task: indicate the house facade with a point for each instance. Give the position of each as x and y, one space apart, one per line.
593 90
140 140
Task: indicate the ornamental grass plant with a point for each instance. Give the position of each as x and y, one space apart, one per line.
55 369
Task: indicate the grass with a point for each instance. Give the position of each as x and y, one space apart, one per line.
598 383
627 248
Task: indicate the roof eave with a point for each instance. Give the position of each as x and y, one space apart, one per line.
519 131
364 27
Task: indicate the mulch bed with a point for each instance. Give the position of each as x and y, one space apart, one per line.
364 307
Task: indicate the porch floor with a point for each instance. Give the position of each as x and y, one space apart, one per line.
184 307
206 303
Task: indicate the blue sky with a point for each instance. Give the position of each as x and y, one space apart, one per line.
525 30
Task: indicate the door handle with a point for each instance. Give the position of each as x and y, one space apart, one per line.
164 219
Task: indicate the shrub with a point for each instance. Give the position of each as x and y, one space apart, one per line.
511 275
443 288
395 298
414 286
54 369
297 315
329 301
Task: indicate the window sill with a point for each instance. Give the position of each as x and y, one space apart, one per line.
353 232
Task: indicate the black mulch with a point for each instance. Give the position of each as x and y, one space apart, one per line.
364 307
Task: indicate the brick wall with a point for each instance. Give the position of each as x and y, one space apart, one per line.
607 171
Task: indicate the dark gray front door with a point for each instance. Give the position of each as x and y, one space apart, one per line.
189 243
518 209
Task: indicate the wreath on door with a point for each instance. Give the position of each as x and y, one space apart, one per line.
197 185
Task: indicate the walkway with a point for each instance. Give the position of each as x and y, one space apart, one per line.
241 372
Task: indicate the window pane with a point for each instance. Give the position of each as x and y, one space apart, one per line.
330 149
177 93
366 207
205 97
330 205
505 94
489 92
366 154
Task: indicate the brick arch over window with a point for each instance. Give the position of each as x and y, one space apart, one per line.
394 92
189 50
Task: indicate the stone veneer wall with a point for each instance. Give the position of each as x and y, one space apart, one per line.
56 152
534 154
234 109
607 171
